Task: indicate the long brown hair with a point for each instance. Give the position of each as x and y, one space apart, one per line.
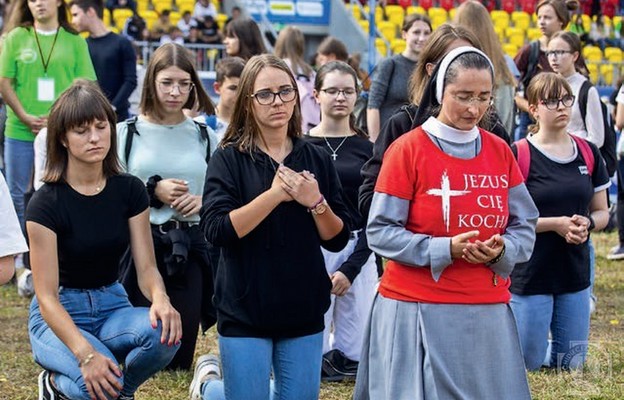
574 42
249 37
344 68
475 17
434 51
81 104
243 131
172 55
562 9
21 16
290 44
546 85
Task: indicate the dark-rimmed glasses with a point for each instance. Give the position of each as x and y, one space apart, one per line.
553 104
335 92
558 53
267 97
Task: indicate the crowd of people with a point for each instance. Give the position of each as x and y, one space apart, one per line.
394 253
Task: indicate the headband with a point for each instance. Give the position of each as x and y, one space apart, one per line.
447 60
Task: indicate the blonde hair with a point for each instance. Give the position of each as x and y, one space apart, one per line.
290 45
475 17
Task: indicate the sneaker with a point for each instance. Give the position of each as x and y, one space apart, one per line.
46 389
25 286
616 253
207 368
337 367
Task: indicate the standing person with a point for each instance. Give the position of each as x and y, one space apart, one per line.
11 239
566 178
331 49
243 39
112 55
290 47
552 16
388 91
474 16
353 271
41 56
442 301
617 252
81 324
169 152
271 200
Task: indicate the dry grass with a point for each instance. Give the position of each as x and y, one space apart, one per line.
603 377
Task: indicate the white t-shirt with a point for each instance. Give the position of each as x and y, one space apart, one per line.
11 239
201 11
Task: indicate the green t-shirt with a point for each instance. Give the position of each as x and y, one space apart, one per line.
21 61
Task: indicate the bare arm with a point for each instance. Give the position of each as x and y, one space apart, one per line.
150 281
619 116
100 373
373 123
522 103
10 97
7 269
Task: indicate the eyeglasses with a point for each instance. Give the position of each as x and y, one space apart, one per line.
335 92
470 100
167 86
267 97
558 53
553 104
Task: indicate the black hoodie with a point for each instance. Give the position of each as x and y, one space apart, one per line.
272 282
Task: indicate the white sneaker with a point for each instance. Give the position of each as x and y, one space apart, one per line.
25 286
207 368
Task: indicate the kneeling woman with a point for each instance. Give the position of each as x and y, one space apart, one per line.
79 224
453 223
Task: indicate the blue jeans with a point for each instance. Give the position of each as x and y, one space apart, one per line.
19 159
113 327
566 316
247 363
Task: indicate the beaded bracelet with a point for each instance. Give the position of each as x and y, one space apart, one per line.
498 257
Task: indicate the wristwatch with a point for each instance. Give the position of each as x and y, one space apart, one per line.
320 207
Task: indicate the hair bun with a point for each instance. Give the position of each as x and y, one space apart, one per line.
572 5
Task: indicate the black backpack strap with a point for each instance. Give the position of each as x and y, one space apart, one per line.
534 49
203 131
132 130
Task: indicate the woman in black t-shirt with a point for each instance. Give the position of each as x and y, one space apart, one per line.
79 224
353 270
566 178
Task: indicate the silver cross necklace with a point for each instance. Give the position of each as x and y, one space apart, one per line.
334 152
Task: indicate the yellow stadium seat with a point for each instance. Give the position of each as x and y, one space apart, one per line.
594 73
161 5
381 47
499 15
416 10
378 13
396 19
149 21
452 13
115 29
107 17
512 30
510 49
616 20
221 18
397 45
521 19
355 10
534 19
437 21
120 15
142 5
436 11
592 53
533 33
364 25
394 9
606 73
586 22
387 29
175 16
149 14
613 54
500 32
517 39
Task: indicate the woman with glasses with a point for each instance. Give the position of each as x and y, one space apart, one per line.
353 271
566 178
271 200
452 216
169 153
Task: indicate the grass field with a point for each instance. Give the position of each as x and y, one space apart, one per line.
603 377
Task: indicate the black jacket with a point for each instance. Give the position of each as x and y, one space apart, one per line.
272 282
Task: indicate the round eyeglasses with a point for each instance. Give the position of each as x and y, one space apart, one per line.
167 86
335 92
553 104
267 97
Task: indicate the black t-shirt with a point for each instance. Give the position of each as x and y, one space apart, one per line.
91 231
558 189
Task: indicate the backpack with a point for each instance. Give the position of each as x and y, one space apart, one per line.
524 155
534 49
132 130
310 109
607 150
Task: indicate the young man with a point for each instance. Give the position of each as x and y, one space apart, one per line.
112 55
228 71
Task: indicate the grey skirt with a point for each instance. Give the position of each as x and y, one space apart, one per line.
441 351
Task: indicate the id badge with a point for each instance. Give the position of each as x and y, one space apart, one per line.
45 89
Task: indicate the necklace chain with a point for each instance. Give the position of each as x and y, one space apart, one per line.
334 154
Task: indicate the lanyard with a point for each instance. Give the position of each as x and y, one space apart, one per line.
46 62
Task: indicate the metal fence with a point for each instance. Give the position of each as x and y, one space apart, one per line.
205 55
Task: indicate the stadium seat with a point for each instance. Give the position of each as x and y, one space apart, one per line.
594 73
107 17
392 9
517 39
606 74
613 54
452 12
500 32
510 49
426 4
521 19
142 5
437 21
533 34
221 18
175 16
436 12
499 16
447 4
378 13
355 10
120 15
512 30
586 22
416 10
387 29
161 5
509 6
364 25
397 45
381 47
396 19
592 53
528 6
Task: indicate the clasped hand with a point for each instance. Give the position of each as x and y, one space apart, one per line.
299 186
175 193
574 229
477 252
